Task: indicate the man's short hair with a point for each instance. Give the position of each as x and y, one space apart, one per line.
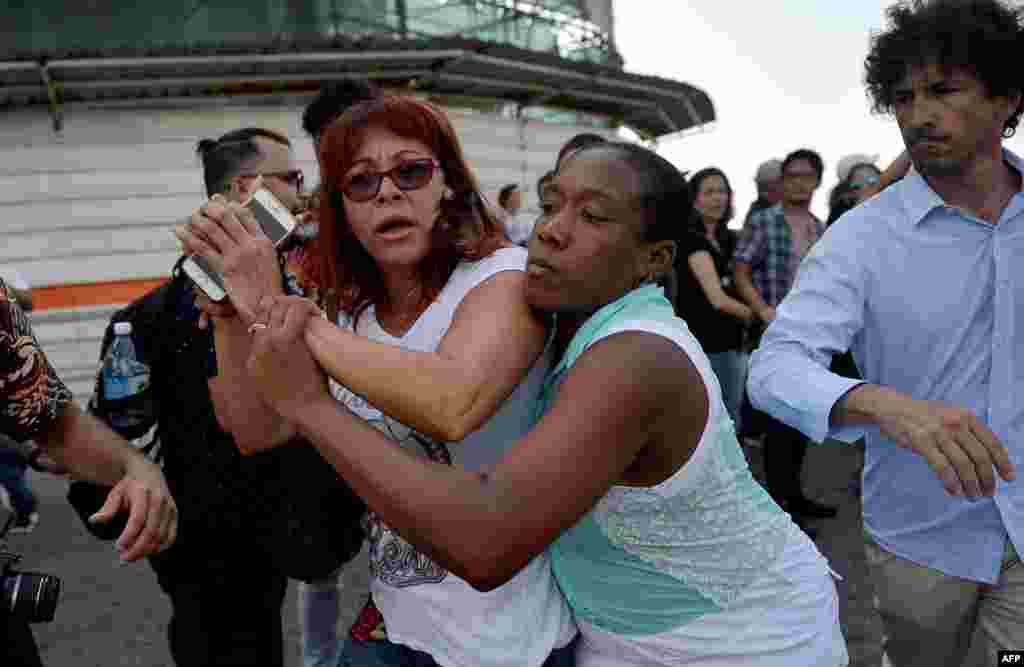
506 193
984 37
226 157
581 140
768 171
334 98
805 154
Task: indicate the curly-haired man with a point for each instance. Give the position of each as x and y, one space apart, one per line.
923 283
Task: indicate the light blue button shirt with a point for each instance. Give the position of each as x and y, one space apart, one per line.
930 299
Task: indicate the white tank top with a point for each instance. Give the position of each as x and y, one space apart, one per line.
424 606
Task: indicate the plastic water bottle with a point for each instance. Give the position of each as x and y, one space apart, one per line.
125 380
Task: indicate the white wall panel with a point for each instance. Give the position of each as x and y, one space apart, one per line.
100 184
56 215
88 269
76 243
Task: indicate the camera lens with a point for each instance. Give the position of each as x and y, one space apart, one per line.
30 595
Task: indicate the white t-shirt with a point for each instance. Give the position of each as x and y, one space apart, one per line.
424 606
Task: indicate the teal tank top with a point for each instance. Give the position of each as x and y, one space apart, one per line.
646 560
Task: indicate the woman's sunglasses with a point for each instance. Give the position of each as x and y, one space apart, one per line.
863 183
407 175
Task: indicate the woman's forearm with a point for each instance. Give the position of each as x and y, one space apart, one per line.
733 307
423 390
239 408
445 511
746 289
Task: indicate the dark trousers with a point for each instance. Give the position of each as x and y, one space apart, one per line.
17 645
784 452
752 420
230 620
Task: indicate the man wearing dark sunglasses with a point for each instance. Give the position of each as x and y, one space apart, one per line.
224 580
232 163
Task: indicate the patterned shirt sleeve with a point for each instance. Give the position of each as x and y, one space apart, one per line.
33 396
298 265
751 247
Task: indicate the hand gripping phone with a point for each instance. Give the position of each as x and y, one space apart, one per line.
274 219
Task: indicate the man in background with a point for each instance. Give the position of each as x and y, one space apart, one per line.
517 227
225 590
773 243
923 283
333 100
768 180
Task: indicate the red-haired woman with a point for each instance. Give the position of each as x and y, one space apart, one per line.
417 273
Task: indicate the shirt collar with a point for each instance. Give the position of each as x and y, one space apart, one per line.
918 197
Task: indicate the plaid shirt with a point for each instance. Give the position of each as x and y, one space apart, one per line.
766 244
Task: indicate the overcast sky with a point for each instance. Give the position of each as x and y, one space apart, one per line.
782 74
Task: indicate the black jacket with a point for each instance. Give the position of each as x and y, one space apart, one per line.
285 506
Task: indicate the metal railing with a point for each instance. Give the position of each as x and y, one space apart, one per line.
56 28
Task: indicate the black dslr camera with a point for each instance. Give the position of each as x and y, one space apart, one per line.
30 596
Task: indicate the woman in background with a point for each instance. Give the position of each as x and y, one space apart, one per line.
703 295
858 180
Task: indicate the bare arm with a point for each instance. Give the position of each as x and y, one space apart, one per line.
745 286
239 409
703 267
90 450
87 447
493 341
460 518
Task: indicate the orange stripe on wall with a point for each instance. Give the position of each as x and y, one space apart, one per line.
92 294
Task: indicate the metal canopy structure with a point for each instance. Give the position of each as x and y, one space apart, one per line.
528 52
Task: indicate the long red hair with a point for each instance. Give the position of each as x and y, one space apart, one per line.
348 276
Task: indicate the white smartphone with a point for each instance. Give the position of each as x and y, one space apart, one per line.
274 219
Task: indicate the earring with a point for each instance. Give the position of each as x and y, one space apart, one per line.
448 193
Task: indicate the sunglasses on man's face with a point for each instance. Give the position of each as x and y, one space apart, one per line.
407 175
293 177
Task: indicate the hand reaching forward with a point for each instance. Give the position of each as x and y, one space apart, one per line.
280 362
152 514
957 445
